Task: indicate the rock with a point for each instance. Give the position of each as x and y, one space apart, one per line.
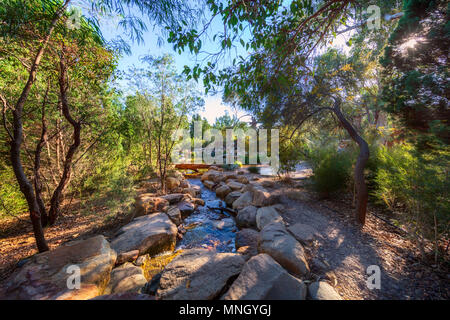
126 278
46 275
262 198
147 203
148 234
186 208
142 260
303 232
215 168
125 296
194 190
173 198
231 197
209 184
243 201
223 191
322 291
268 183
198 201
234 185
280 245
247 252
247 237
175 215
152 286
241 172
242 179
246 217
210 175
198 274
185 184
266 215
224 223
172 183
279 207
230 176
127 256
262 278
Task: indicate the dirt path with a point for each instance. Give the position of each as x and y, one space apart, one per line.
349 251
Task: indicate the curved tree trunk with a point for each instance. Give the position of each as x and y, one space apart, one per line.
67 170
360 183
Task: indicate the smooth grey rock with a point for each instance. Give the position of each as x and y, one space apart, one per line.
127 256
198 274
243 201
234 185
223 191
246 237
280 245
173 198
126 278
186 208
231 197
322 291
149 234
262 278
266 215
175 215
246 217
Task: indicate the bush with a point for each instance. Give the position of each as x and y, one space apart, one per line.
332 169
254 169
12 201
417 182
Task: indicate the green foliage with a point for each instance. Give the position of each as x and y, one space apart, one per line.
12 201
253 169
332 168
419 183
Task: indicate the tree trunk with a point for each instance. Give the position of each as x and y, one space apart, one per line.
360 183
67 170
25 186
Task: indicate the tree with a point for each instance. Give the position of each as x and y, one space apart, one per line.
283 41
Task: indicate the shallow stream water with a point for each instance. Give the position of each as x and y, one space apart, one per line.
209 228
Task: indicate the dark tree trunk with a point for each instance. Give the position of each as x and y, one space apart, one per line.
363 157
55 204
25 186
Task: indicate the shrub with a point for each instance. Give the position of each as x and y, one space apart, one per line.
254 169
12 201
332 169
419 183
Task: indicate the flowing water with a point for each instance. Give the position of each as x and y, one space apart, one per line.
209 228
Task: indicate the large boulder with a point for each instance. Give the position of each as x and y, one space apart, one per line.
280 245
261 197
47 275
184 184
231 197
243 201
246 217
266 215
303 232
175 215
262 278
242 179
223 191
149 234
198 274
148 203
172 183
126 278
321 290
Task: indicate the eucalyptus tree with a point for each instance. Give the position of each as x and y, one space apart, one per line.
35 26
